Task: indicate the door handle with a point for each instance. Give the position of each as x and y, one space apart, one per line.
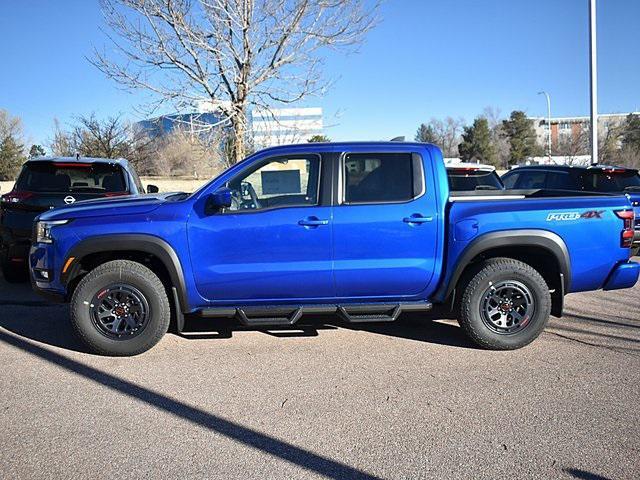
312 222
417 218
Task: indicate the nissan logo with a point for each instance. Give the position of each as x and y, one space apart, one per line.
69 199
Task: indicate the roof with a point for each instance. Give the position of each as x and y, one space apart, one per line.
467 165
120 161
574 167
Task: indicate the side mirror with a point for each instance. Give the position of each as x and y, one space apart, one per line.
152 189
218 200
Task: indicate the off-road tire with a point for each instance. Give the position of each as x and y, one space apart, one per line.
121 272
477 283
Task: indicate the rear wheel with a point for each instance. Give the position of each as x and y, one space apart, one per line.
505 304
120 308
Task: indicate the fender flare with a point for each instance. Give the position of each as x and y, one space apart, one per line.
545 239
131 242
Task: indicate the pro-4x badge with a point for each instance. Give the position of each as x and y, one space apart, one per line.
567 216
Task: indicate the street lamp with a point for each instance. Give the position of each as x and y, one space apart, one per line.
593 70
548 122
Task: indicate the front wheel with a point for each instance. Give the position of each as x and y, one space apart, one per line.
120 308
505 304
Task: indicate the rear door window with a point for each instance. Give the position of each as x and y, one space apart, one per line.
531 180
382 177
50 177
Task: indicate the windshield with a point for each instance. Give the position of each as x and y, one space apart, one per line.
61 177
466 179
611 181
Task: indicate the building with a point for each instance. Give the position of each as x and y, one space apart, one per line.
195 123
280 126
570 135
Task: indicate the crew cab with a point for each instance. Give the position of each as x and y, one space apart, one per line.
362 231
45 183
592 178
465 176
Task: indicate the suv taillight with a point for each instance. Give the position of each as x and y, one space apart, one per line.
627 234
15 196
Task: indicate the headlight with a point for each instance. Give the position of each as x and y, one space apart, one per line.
43 230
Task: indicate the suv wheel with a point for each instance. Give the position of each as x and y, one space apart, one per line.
505 304
120 308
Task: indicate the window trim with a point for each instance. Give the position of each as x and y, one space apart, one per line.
415 158
266 161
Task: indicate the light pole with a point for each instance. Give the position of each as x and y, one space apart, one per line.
548 122
593 70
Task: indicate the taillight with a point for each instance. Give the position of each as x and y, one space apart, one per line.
15 196
116 194
627 217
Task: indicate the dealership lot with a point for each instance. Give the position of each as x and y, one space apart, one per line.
407 400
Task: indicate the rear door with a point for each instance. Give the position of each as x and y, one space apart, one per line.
385 226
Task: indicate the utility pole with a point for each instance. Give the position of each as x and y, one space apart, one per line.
593 71
548 122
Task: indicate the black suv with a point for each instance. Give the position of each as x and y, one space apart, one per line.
46 183
594 178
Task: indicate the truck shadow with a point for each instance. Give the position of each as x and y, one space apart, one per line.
417 327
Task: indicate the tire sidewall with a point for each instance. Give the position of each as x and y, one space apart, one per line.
91 285
473 321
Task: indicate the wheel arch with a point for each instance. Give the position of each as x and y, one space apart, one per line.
94 251
543 250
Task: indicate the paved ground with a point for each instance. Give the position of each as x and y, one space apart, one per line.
410 400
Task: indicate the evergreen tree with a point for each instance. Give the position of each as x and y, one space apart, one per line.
631 133
36 151
11 147
518 129
426 133
477 142
319 139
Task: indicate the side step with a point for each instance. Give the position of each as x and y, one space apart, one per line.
286 315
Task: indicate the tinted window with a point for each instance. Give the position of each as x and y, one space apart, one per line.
381 177
71 177
560 181
510 180
531 180
280 182
616 181
461 179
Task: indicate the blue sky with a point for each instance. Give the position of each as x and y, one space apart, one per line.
426 59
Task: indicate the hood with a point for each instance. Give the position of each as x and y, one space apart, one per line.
101 207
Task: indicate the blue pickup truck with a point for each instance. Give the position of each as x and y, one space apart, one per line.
363 231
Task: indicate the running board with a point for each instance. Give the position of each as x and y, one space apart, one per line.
286 315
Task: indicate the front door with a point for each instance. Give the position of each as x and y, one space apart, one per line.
273 243
385 227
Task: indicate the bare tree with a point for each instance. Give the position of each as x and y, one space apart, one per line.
108 138
574 144
61 143
445 133
230 53
500 143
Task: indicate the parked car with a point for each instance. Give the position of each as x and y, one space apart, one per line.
473 176
47 183
364 231
594 178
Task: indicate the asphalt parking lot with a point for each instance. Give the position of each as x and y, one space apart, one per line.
408 400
